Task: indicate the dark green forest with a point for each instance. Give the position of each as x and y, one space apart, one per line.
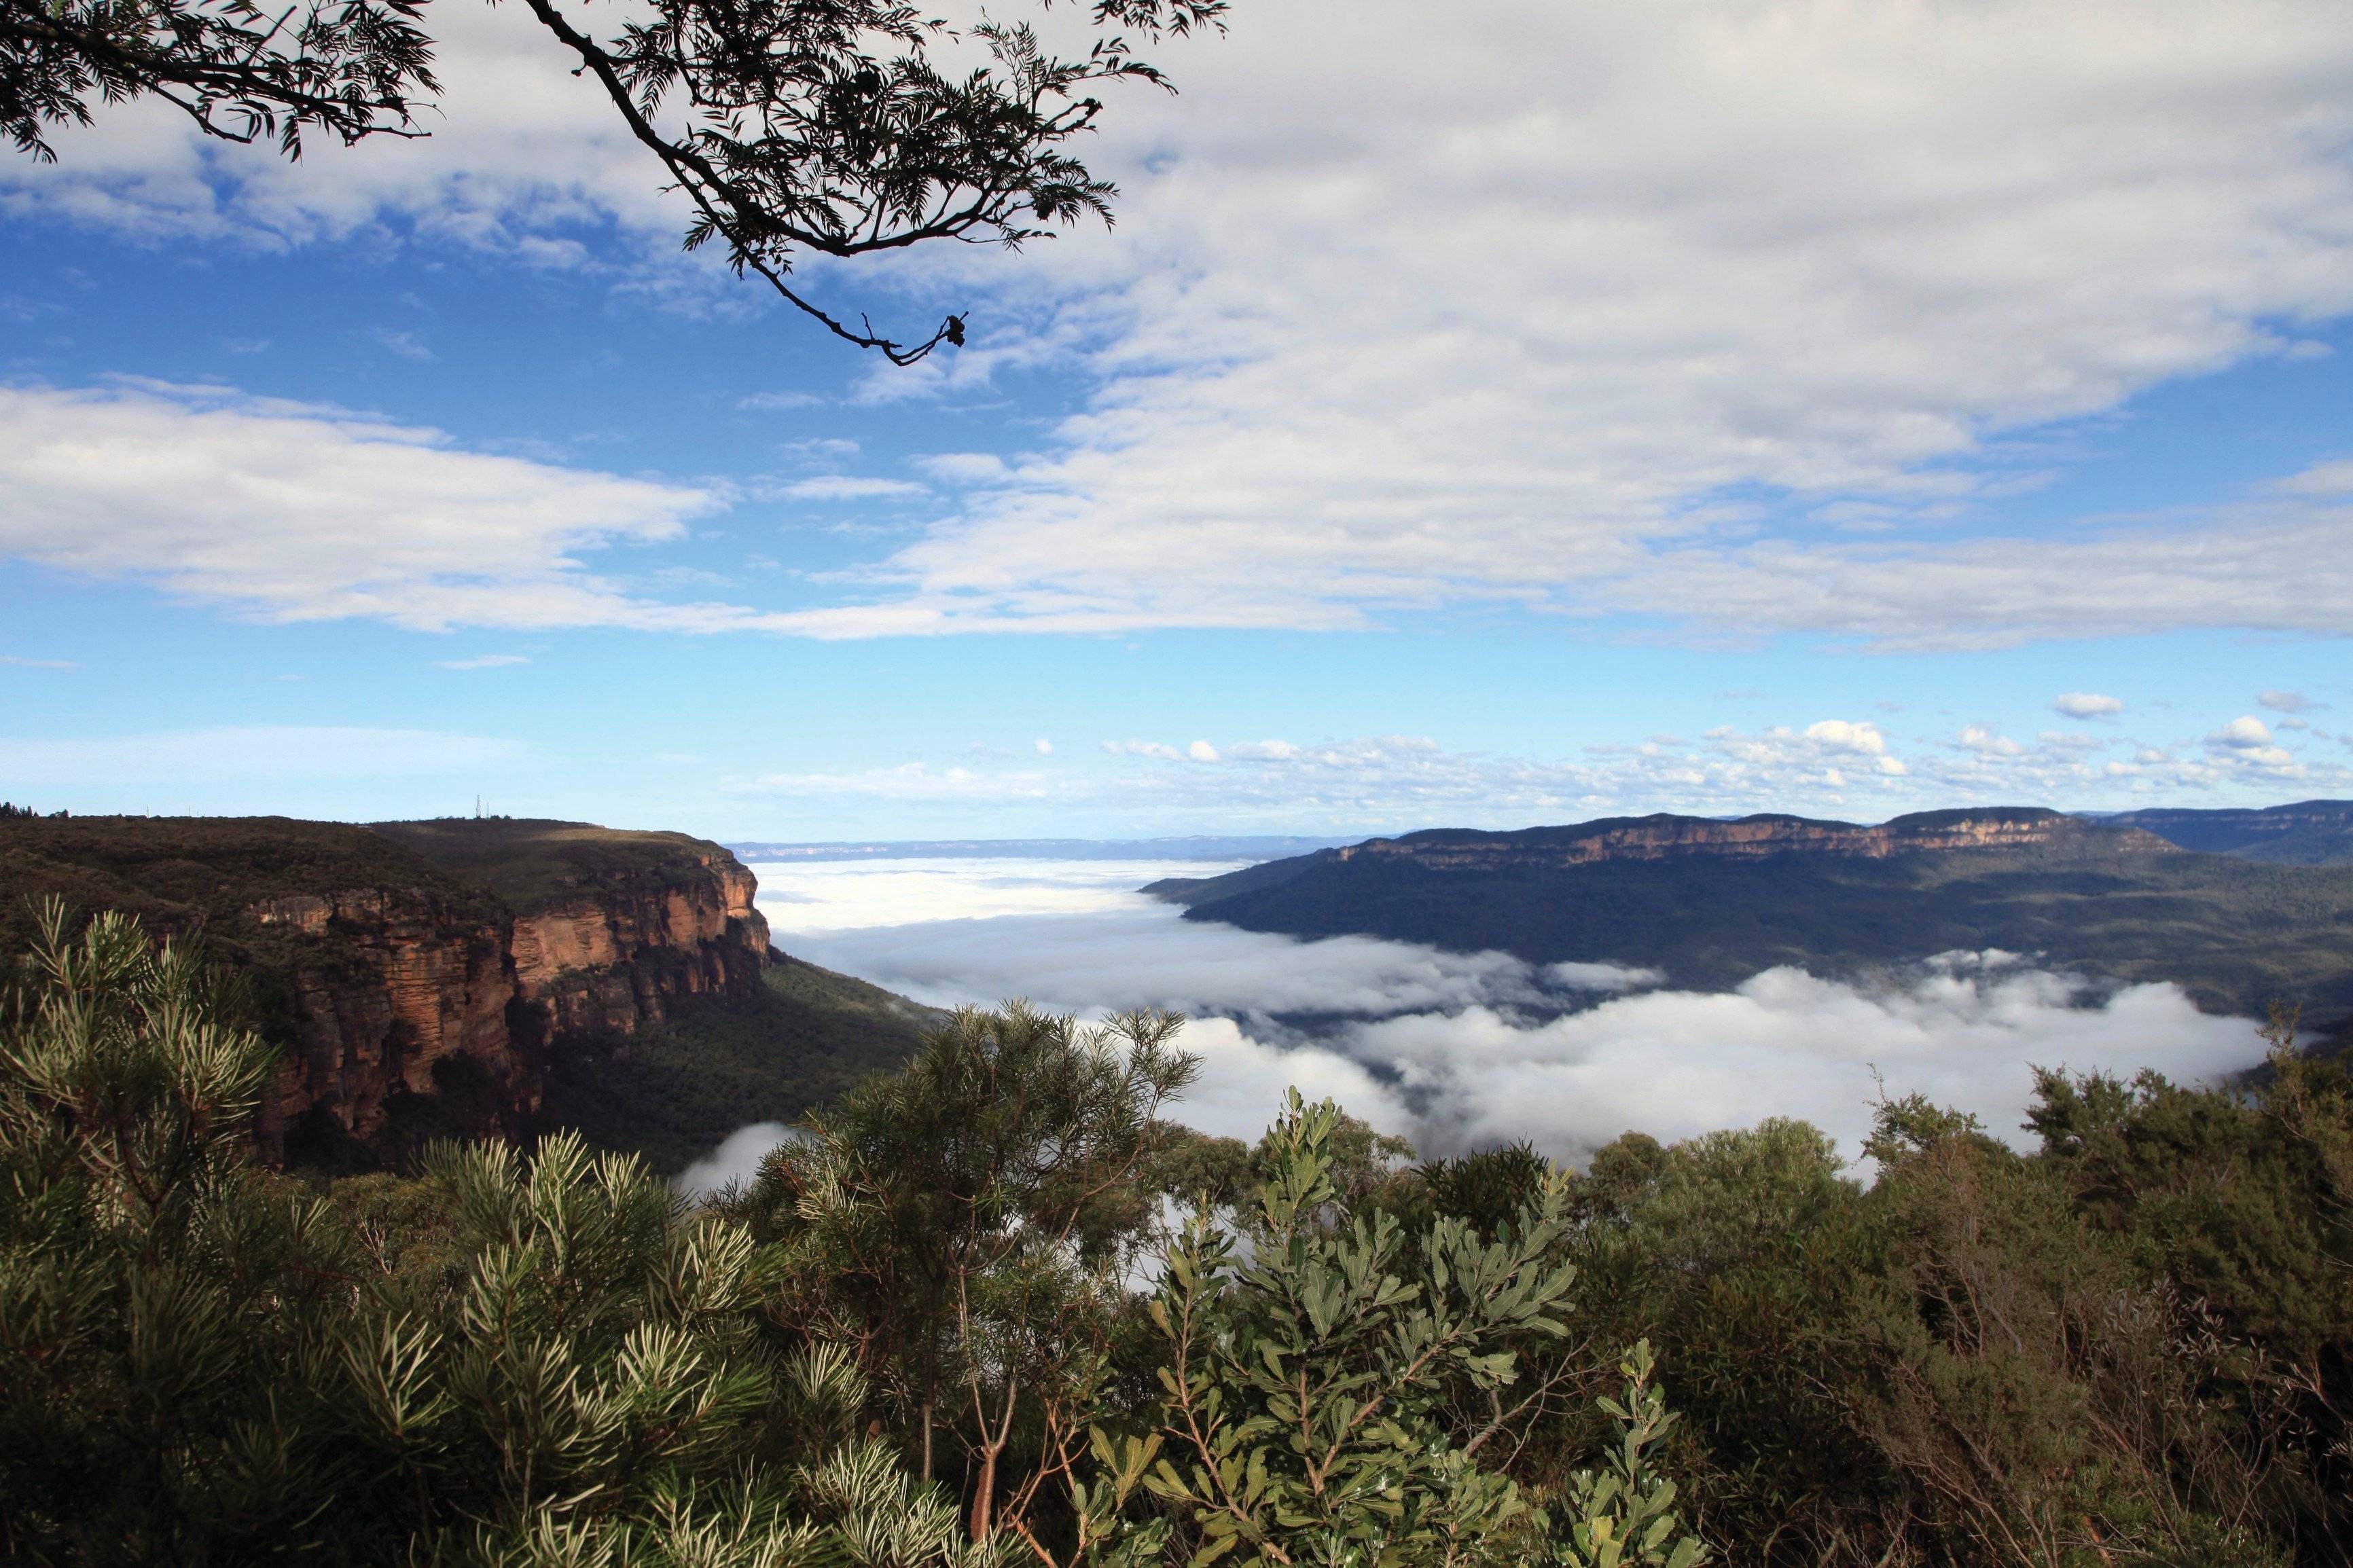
1000 1307
2234 931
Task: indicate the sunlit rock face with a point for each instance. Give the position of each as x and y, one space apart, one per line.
410 988
417 970
604 962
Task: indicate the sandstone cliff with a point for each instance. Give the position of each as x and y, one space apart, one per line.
421 975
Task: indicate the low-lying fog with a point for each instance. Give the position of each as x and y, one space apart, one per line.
1457 1050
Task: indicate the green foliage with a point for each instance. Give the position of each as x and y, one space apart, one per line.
151 1292
351 68
543 1361
178 875
1623 1516
805 1038
1305 1371
2118 1351
967 1222
533 863
2130 1348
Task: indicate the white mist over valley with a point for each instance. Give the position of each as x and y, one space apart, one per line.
1457 1050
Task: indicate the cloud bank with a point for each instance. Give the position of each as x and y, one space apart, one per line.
298 513
1962 1030
1574 319
1717 313
737 1159
1464 1050
1834 767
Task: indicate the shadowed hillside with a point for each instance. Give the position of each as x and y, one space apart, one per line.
2308 833
1710 903
671 1093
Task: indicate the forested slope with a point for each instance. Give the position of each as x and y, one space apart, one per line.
1712 903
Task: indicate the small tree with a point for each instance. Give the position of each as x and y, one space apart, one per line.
1623 1516
200 1362
968 1222
153 1293
1308 1352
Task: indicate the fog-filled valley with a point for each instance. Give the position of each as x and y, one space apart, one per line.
1464 1051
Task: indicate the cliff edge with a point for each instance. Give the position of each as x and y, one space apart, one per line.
420 975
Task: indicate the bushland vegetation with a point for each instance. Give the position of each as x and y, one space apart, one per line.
997 1309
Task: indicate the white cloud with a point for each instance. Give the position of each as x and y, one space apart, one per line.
2087 705
295 511
521 152
1501 302
948 929
191 757
1862 740
1841 768
15 662
2322 479
484 661
1446 1046
736 1161
1045 748
2246 743
1964 1031
2225 566
1243 1079
776 402
2286 702
1980 738
1785 245
2241 733
844 486
404 344
831 898
964 468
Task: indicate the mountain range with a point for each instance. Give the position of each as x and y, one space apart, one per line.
2241 909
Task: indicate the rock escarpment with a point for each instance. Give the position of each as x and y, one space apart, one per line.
420 975
1664 836
1710 904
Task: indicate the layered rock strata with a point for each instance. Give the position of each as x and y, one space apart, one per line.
406 995
427 967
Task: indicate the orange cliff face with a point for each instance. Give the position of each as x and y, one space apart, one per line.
408 993
603 962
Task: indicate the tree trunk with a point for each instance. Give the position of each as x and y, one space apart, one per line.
983 1496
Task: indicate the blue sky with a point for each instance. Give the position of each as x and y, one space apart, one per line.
1712 406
